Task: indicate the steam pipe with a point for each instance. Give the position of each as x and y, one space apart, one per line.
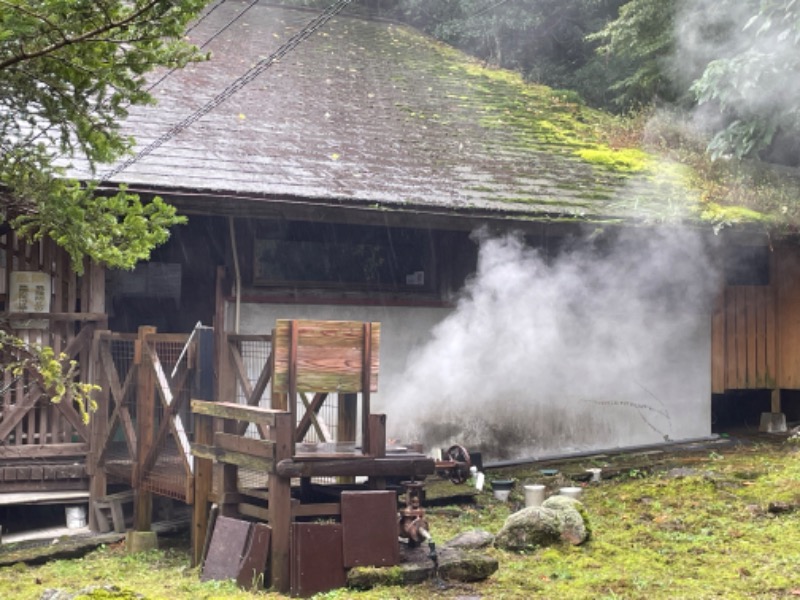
500 464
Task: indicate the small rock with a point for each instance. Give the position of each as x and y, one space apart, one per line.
777 508
475 539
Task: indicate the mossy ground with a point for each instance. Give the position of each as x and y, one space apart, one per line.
708 534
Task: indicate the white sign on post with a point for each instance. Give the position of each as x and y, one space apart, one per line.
29 292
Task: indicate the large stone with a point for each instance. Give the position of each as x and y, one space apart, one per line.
558 519
465 566
530 528
453 564
574 520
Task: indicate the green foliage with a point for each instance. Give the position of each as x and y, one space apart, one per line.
69 70
640 38
755 88
54 375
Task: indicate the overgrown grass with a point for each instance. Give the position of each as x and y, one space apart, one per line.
703 532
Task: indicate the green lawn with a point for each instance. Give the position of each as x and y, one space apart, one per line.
710 533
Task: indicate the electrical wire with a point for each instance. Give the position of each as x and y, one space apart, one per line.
251 74
209 40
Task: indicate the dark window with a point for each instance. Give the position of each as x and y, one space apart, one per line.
326 255
747 265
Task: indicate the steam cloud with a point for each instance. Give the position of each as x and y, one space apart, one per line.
603 345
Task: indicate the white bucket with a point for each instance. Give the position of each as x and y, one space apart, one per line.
501 495
571 492
76 517
534 495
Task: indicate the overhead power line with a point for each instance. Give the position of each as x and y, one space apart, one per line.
215 35
251 74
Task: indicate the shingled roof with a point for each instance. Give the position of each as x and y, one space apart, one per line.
375 114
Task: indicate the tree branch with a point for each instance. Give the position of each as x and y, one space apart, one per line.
69 41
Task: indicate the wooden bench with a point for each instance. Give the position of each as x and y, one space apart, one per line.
112 503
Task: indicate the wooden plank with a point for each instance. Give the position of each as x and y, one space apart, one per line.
172 417
68 411
718 344
771 336
241 372
357 466
752 317
730 339
254 512
329 356
310 417
44 451
741 338
761 336
230 410
324 509
245 445
80 317
119 395
13 418
231 457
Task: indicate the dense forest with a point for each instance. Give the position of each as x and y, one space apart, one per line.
731 67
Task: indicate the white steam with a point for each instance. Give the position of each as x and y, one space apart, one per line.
595 348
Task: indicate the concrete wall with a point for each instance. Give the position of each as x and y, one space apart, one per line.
640 404
403 329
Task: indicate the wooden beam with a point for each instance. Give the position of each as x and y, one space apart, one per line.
231 457
44 451
245 445
366 466
230 410
310 417
55 316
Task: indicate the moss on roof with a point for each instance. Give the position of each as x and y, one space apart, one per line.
378 114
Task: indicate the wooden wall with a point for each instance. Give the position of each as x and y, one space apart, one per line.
756 330
31 427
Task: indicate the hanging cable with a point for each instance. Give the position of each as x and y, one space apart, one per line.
208 41
234 87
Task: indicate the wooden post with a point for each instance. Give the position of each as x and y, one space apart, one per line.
99 431
203 485
278 400
145 431
203 434
366 385
347 425
777 277
280 506
224 476
377 447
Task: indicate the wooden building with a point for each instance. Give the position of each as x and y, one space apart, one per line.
346 184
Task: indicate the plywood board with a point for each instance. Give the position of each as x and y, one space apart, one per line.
370 526
227 548
317 563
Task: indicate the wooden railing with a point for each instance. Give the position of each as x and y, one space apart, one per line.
233 450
